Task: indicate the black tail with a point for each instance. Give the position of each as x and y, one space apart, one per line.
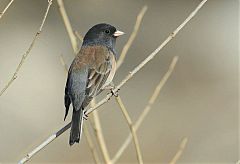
76 128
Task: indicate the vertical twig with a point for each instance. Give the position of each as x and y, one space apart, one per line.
91 144
99 134
132 36
5 9
25 55
68 26
100 138
147 109
132 129
180 151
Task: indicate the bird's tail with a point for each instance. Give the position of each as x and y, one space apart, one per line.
76 127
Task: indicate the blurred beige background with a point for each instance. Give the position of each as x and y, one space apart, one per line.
199 101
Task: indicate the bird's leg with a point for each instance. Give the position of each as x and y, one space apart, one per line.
85 116
112 87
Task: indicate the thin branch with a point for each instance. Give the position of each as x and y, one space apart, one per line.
137 68
149 58
132 129
132 36
147 109
100 138
44 144
25 55
99 134
180 151
5 9
91 144
68 26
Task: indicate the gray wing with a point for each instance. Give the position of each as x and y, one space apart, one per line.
77 80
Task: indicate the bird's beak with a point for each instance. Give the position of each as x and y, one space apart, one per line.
118 33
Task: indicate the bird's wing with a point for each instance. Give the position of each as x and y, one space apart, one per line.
99 71
76 85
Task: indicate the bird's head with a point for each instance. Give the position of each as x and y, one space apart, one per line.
102 34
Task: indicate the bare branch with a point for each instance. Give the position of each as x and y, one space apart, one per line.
91 144
99 135
180 151
100 138
25 55
147 109
44 144
68 26
5 9
132 129
132 36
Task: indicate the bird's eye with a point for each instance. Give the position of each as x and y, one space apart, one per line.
107 31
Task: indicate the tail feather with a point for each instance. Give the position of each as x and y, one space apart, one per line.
76 127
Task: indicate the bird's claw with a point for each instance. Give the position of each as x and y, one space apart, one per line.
85 116
114 93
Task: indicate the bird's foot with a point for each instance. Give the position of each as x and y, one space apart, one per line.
114 93
85 116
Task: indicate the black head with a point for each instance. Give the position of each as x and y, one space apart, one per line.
102 34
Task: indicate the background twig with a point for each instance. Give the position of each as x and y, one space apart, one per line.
132 129
132 36
68 26
180 151
100 138
25 55
91 144
5 9
99 134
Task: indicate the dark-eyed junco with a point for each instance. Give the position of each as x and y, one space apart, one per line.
91 71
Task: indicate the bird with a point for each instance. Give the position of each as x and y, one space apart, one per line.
91 72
